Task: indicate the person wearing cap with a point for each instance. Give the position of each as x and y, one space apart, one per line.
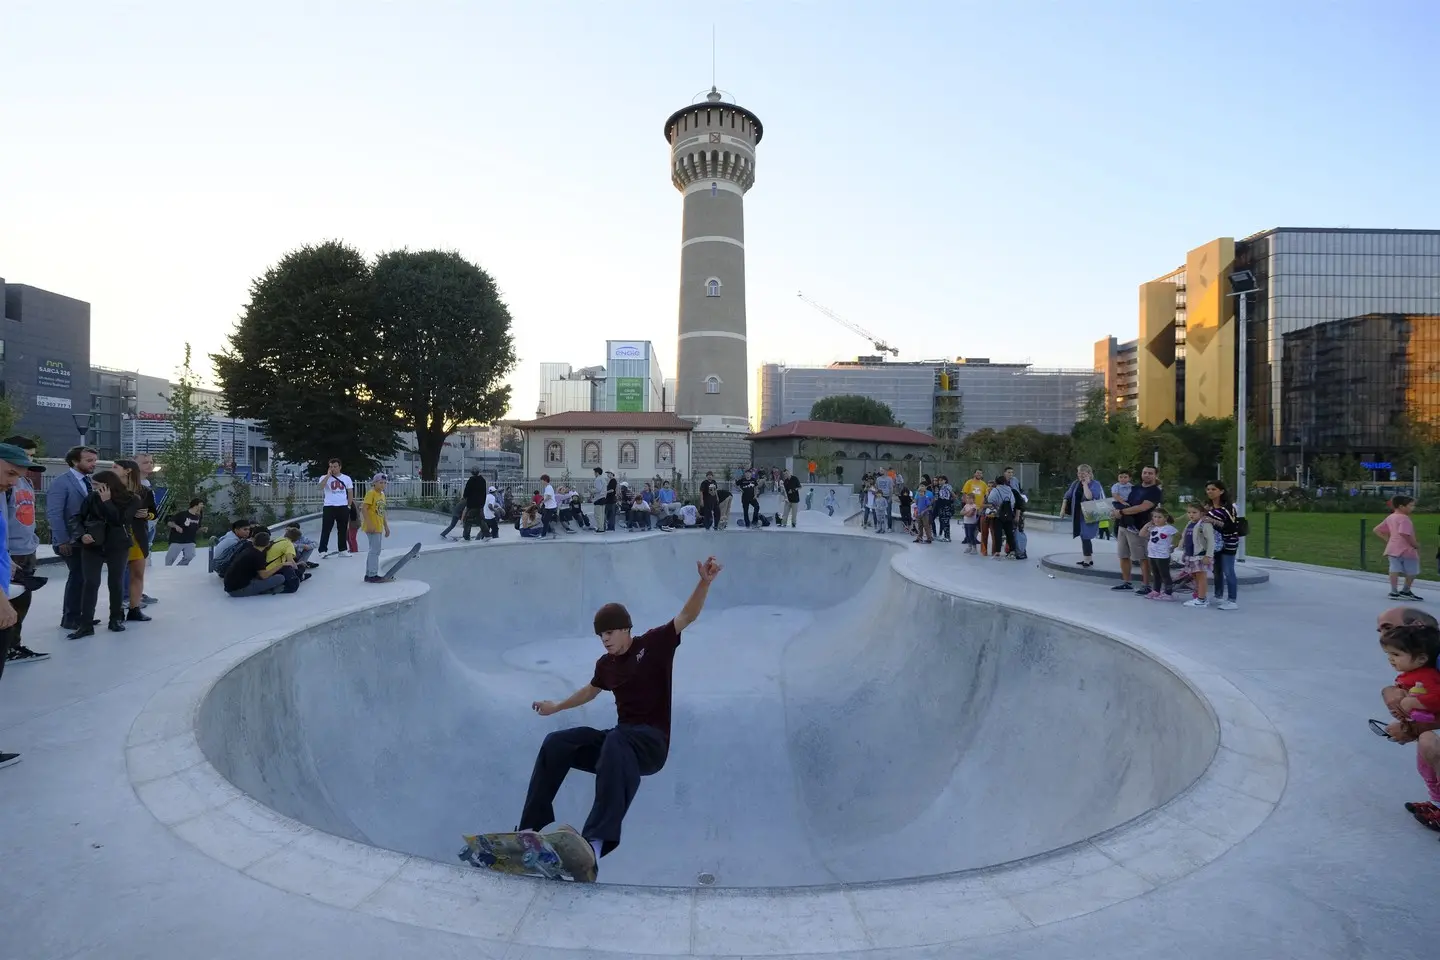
491 515
22 543
376 526
638 671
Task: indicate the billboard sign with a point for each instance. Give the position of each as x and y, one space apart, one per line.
54 403
629 394
627 349
53 373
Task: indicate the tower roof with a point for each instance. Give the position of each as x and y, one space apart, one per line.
712 99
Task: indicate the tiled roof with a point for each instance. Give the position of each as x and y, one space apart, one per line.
602 420
856 432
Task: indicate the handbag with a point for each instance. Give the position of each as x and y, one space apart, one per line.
97 530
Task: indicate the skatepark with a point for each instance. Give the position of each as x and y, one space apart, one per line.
879 749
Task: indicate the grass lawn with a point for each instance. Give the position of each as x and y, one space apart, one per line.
1333 539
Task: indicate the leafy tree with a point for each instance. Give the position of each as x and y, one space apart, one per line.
445 346
301 361
186 465
8 416
853 408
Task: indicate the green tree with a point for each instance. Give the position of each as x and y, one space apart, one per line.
186 466
1259 457
303 358
445 346
853 408
8 416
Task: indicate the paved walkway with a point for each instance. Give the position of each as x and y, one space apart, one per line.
1338 870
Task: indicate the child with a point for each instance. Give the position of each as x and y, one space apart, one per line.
869 506
1401 546
1412 649
830 503
924 506
376 526
970 518
1120 489
907 499
1160 541
1198 552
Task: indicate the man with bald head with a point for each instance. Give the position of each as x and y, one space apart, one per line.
1404 730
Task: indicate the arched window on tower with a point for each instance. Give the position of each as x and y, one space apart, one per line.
712 287
712 384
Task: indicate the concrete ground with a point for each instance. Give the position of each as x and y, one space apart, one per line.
122 842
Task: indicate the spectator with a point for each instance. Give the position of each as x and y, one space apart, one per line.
944 508
1002 521
668 506
709 501
146 463
63 503
1159 536
597 500
14 598
612 497
970 520
791 485
884 489
225 548
1198 551
473 507
490 513
812 465
337 506
376 525
281 556
1085 489
748 485
142 511
304 546
21 546
248 575
1402 548
1221 515
105 542
184 528
1140 502
924 511
530 523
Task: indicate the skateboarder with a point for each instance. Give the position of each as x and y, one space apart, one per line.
638 671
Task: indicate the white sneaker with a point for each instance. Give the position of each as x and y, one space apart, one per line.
1197 603
1227 605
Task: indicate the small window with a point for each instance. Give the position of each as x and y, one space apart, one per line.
554 453
712 384
590 453
629 453
664 453
712 287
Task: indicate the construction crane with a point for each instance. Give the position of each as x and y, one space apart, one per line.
880 345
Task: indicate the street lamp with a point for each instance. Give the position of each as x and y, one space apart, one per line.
1242 284
82 425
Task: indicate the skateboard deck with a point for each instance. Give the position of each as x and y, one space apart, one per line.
399 565
557 855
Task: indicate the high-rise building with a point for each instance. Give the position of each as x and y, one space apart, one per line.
1341 357
633 382
712 163
564 389
1117 363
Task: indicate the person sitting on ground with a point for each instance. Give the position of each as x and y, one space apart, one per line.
281 555
184 527
304 546
227 545
248 575
530 523
666 498
689 515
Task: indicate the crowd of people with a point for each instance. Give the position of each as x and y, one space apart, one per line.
991 513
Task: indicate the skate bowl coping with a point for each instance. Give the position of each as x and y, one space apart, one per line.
835 721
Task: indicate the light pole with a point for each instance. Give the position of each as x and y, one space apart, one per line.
1242 284
82 425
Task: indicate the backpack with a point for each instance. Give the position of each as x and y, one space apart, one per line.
1242 526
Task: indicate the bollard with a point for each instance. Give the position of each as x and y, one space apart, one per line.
1267 535
1362 543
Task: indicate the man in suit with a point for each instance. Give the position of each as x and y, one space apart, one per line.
63 501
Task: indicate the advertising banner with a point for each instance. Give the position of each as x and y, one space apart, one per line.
627 350
629 394
53 373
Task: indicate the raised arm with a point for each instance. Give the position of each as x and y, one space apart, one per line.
708 569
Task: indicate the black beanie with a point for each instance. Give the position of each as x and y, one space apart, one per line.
612 616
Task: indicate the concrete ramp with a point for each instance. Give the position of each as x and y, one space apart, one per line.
834 722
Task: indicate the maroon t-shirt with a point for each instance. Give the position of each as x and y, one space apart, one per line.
640 678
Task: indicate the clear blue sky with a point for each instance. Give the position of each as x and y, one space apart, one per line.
961 178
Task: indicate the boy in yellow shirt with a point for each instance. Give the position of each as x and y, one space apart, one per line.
375 527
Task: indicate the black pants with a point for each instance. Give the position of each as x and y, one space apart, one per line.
547 517
10 636
74 587
942 517
1160 575
112 559
709 515
493 525
474 515
745 506
1002 531
339 518
618 758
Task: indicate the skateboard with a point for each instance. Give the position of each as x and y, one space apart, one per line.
399 565
557 855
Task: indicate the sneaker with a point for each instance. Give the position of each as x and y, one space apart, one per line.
1409 595
577 856
370 579
146 600
1166 596
1197 602
25 655
1122 586
9 759
1227 605
1426 814
1394 595
1153 595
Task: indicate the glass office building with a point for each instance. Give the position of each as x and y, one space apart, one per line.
1344 339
